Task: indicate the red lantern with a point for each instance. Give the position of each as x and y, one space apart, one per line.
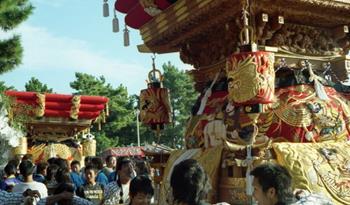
155 109
251 78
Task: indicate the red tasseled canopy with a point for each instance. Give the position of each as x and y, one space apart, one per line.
58 105
135 14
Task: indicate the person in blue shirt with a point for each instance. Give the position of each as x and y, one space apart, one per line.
41 172
74 174
101 178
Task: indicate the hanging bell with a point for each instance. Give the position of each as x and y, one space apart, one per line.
105 8
126 36
115 23
155 109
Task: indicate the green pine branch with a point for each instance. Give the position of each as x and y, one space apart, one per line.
13 12
10 54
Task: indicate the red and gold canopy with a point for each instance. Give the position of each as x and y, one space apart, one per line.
58 105
56 117
139 12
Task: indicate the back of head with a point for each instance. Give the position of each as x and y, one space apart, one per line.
121 161
51 171
10 169
26 168
87 160
51 160
61 163
270 175
97 162
141 184
63 176
189 182
64 187
68 187
142 167
14 162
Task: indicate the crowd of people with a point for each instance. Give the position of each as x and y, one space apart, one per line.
128 181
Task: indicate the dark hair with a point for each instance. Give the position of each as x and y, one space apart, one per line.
26 168
61 163
141 184
14 162
189 182
41 167
75 162
51 171
51 160
90 167
121 161
142 167
88 159
62 187
275 176
10 169
109 157
69 187
97 162
63 176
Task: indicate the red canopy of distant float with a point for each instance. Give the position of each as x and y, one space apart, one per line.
59 105
135 12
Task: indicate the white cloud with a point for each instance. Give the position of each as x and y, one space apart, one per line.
44 51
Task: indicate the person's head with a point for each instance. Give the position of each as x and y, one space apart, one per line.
15 162
97 162
111 161
142 167
64 187
141 190
62 176
125 167
90 174
51 160
75 166
26 168
28 157
272 183
62 163
10 169
189 182
51 172
87 160
41 168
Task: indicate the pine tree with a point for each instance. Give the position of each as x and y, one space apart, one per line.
12 13
34 85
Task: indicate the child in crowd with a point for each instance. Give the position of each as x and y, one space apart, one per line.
11 180
141 191
92 190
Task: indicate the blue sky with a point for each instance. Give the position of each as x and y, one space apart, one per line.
62 37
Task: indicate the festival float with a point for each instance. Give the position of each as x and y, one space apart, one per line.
271 76
56 125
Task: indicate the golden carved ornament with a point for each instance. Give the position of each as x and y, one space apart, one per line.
74 111
251 77
40 109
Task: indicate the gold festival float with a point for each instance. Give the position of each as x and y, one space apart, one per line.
57 125
270 75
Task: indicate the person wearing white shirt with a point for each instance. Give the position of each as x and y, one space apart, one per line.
26 169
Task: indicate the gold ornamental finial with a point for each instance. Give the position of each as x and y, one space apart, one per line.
247 32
